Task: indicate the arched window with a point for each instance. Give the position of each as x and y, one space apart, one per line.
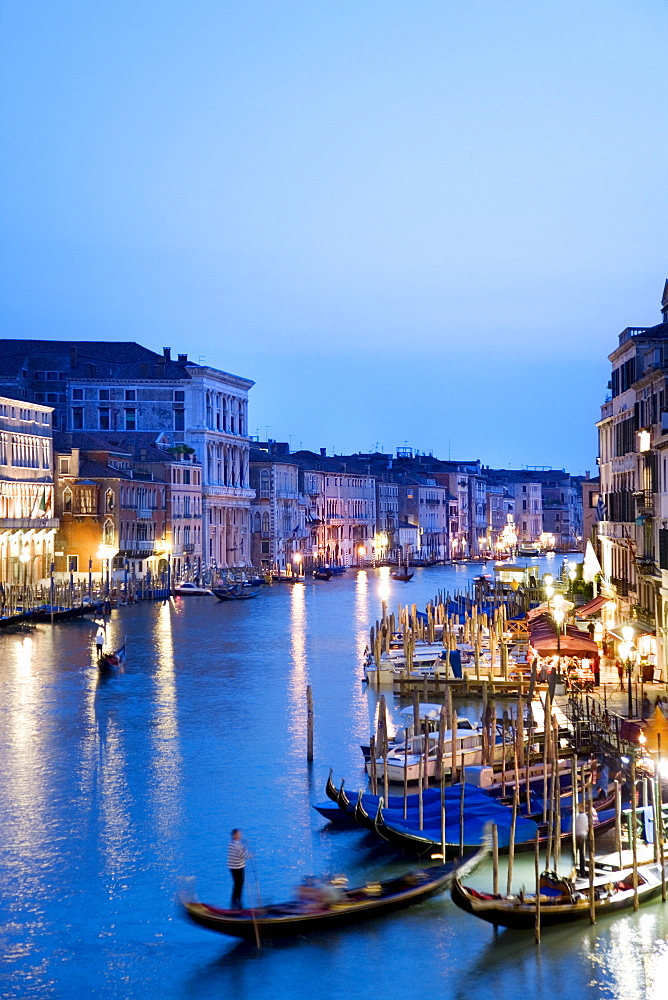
257 523
67 500
108 532
265 522
109 501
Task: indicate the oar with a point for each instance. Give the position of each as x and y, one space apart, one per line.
257 893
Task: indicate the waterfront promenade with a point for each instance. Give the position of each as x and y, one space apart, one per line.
115 791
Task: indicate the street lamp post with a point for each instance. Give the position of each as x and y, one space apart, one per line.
627 635
296 561
558 615
361 552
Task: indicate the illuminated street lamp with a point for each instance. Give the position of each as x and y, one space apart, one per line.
627 647
25 559
361 552
105 554
558 616
296 560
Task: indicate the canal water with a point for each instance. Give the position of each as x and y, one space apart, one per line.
118 792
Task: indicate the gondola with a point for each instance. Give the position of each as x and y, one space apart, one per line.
561 901
108 661
406 835
322 574
237 592
403 577
374 899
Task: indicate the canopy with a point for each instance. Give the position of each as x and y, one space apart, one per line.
592 607
639 628
570 642
546 609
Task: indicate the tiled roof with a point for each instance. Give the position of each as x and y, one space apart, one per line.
109 359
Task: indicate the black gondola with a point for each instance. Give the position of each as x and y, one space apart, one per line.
322 574
372 900
236 592
561 901
403 577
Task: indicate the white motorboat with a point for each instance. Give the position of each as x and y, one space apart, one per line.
409 758
192 590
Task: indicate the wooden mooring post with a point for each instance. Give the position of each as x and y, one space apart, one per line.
309 724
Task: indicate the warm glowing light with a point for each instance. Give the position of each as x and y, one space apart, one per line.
25 556
572 575
642 739
548 579
627 634
106 552
558 616
361 550
549 592
624 650
297 557
558 601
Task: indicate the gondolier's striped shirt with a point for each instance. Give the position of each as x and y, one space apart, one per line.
237 855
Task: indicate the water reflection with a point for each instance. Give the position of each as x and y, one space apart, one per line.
298 670
384 583
166 761
116 830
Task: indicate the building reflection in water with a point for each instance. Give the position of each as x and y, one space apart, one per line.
25 756
298 672
166 765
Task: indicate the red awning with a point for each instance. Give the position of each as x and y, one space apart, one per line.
572 641
592 607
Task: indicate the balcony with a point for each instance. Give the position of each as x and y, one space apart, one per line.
144 513
188 547
644 503
646 567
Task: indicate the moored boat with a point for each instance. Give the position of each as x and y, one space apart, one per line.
192 590
561 901
322 574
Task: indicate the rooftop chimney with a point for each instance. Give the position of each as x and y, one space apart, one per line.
323 452
73 358
183 359
167 353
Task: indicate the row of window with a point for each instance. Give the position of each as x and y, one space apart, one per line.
22 413
26 452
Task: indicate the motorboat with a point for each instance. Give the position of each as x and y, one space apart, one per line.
192 590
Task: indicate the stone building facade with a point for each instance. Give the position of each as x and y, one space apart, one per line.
27 521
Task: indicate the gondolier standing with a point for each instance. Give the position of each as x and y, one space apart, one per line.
581 837
237 856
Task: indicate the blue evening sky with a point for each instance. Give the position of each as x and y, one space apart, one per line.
410 222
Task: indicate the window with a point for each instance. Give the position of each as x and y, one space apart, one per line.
265 548
264 483
67 500
179 420
131 420
77 418
179 396
73 564
104 418
64 466
130 395
103 394
186 477
77 393
109 501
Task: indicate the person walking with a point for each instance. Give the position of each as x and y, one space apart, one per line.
237 856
